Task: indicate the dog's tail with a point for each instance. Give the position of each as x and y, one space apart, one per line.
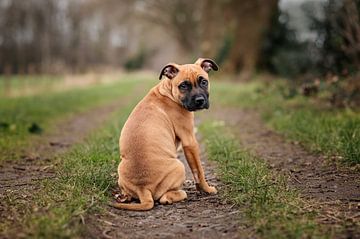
146 202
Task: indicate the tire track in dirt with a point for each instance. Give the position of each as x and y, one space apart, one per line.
332 190
20 178
200 216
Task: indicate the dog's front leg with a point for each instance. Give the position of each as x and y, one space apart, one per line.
192 154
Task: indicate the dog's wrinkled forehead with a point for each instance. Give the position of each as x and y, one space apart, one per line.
190 72
201 66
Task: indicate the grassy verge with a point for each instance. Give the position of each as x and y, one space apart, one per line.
24 117
271 207
25 83
335 132
83 176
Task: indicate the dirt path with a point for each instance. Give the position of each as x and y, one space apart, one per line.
19 178
200 216
333 191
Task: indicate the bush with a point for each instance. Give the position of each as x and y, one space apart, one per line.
338 34
282 53
137 61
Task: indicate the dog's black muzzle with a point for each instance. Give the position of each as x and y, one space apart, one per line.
197 102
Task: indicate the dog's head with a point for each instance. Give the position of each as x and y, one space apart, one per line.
190 83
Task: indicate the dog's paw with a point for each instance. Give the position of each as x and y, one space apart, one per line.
206 188
121 198
211 190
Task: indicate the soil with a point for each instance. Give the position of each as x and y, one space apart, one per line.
327 187
200 216
19 178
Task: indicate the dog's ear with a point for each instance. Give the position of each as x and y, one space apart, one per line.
207 64
170 71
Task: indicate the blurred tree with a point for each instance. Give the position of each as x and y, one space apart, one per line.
246 23
339 35
281 52
52 36
232 32
180 18
23 26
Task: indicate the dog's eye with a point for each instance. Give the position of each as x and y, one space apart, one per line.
203 83
183 86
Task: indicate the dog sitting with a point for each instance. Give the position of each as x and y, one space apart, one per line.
149 169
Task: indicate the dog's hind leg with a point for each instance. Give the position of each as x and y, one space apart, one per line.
146 202
173 196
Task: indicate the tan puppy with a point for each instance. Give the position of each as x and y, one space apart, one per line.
149 169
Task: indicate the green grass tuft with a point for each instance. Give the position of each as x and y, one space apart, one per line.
350 140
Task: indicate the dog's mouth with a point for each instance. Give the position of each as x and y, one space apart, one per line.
196 105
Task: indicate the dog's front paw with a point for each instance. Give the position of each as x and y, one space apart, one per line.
206 188
211 190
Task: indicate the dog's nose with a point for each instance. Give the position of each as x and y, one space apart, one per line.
199 100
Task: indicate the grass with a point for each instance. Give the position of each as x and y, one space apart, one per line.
22 118
334 132
26 83
84 175
271 207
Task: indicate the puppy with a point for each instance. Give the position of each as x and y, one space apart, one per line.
149 169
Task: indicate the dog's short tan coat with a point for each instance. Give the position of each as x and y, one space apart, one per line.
149 169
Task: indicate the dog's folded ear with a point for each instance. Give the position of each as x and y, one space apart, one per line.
170 71
207 64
